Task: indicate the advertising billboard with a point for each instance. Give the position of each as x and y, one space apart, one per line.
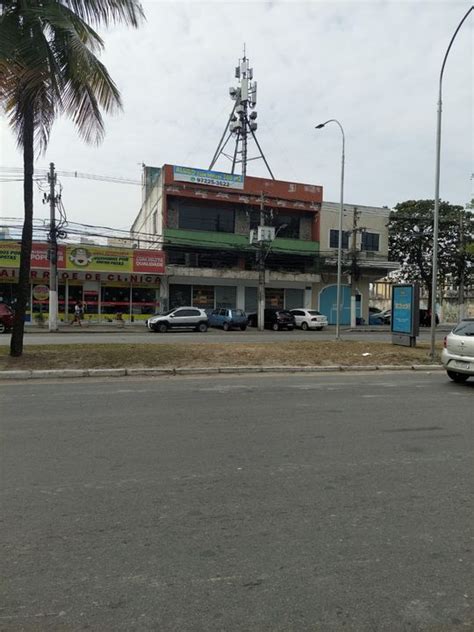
210 178
405 314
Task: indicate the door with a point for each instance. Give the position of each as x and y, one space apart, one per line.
328 303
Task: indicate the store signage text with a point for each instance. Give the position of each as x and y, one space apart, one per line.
85 276
212 178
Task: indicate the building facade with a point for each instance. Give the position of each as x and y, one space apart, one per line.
113 283
203 220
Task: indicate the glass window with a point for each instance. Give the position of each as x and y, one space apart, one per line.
182 313
91 302
370 241
226 296
274 298
115 300
250 299
287 224
144 300
74 295
294 298
297 312
334 238
211 217
179 295
203 296
465 328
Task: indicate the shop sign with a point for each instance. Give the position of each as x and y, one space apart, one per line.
87 258
212 178
41 293
10 255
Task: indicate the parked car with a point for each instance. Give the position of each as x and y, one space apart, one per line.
275 319
376 318
309 319
6 318
179 318
228 319
425 318
458 352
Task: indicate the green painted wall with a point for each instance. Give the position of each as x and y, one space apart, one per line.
204 239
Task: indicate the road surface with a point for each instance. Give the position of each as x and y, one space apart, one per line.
268 503
137 336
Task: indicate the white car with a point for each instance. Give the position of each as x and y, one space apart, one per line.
179 318
309 319
458 353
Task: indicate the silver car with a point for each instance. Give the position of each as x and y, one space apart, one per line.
458 353
309 319
179 318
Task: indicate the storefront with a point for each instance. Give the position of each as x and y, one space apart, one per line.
113 283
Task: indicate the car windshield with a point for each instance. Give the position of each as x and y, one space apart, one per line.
465 328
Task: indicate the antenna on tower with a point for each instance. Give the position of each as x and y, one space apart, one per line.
241 125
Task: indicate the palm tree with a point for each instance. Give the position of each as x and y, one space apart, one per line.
49 67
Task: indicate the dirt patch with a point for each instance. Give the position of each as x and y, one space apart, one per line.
227 354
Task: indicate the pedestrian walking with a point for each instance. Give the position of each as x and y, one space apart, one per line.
78 313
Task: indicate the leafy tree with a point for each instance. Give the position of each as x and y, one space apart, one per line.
411 242
48 67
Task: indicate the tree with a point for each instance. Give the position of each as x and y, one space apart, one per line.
49 67
411 242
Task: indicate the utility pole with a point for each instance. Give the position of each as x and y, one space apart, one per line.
53 252
462 263
355 219
261 272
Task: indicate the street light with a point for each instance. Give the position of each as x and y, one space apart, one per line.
434 280
341 214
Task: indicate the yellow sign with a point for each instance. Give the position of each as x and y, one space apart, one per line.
98 259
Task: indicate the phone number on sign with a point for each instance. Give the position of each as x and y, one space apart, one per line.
218 183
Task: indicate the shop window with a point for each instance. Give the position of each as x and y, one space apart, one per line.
91 302
115 300
294 298
274 298
143 300
226 296
250 299
8 293
203 296
74 295
179 295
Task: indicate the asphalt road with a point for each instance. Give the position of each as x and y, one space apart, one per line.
269 503
134 336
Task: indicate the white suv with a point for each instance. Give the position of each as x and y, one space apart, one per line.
179 318
309 319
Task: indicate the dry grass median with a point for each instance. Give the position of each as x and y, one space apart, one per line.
204 355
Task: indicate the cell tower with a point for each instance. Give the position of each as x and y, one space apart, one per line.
242 124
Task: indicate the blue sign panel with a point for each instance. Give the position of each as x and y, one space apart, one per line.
212 178
403 305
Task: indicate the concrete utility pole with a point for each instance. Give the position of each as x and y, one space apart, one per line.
462 263
355 230
53 252
261 272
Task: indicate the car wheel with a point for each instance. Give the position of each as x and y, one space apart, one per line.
202 327
162 328
275 326
2 328
226 326
457 377
243 327
304 326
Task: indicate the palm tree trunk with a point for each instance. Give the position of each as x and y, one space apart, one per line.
16 343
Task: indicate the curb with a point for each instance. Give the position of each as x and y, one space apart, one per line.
75 373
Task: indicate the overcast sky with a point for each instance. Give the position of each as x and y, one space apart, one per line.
372 65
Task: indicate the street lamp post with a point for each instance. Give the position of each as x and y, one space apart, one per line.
434 279
339 243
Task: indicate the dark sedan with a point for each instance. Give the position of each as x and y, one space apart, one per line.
275 319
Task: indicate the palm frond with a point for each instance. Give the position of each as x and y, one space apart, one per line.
129 12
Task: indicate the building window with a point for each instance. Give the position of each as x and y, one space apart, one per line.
226 296
213 218
179 295
334 238
287 225
203 296
370 241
